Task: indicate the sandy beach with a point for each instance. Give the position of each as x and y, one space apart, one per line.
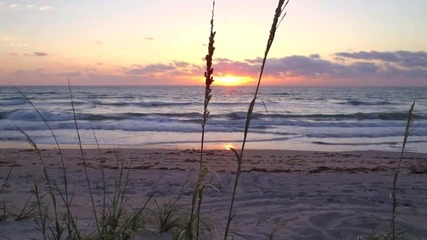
315 195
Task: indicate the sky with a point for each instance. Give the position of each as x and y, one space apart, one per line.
163 42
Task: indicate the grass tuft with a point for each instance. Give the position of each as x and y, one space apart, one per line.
3 206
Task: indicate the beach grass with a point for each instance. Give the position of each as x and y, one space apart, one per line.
3 206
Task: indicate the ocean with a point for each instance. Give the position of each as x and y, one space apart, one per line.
288 118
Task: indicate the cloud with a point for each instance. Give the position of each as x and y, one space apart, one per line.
99 42
90 77
302 66
37 54
40 54
399 68
149 39
43 76
364 67
373 55
149 69
401 58
30 6
180 64
45 8
357 68
68 74
227 66
13 5
175 72
18 45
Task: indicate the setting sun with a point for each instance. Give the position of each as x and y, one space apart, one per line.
228 80
228 146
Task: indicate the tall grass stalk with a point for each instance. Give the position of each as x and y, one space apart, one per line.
408 130
42 219
101 165
280 13
83 159
198 191
208 82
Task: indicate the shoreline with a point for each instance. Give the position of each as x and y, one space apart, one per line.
25 145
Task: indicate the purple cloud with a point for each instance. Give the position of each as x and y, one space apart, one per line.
149 69
37 54
361 67
181 64
344 68
402 58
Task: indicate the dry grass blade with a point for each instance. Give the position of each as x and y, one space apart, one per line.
104 184
278 16
83 159
7 179
408 130
275 224
28 211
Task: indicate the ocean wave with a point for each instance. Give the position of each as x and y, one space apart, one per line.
30 115
279 94
4 98
325 117
143 104
24 115
165 104
354 102
165 124
12 102
269 118
365 144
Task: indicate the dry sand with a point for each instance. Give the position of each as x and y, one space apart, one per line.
319 195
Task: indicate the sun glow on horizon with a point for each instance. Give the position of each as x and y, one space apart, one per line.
228 146
229 80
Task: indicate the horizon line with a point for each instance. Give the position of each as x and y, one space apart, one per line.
223 86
